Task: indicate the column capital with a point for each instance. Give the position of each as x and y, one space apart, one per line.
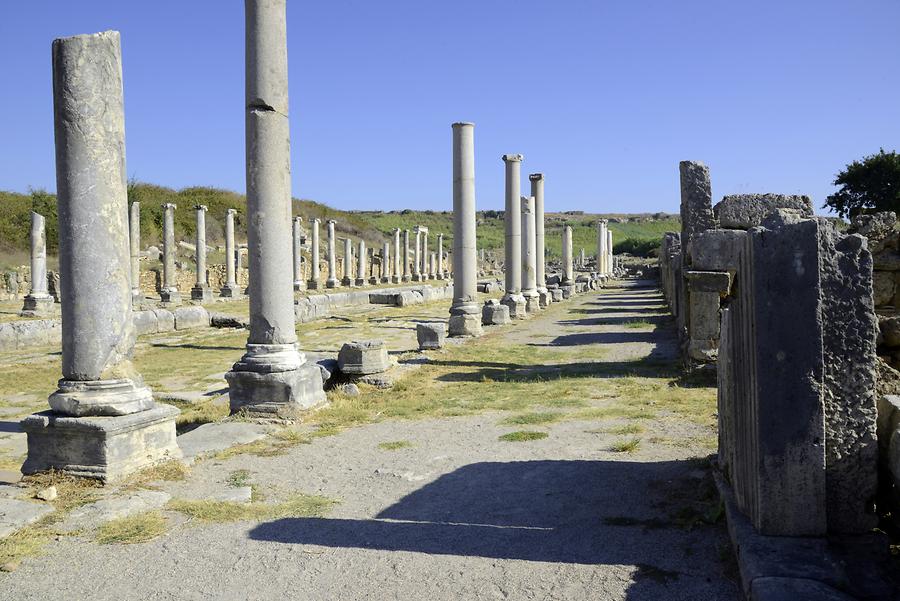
169 205
602 221
536 177
315 220
231 211
298 219
459 124
512 158
331 222
201 207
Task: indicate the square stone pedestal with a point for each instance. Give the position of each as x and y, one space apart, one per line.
556 294
282 394
229 292
202 293
37 306
170 297
465 325
359 282
532 304
568 291
516 304
494 314
105 448
545 299
298 286
312 284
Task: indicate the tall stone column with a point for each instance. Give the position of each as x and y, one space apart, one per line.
417 256
169 293
568 274
406 276
331 281
609 251
297 233
103 423
313 283
425 270
230 288
396 272
38 302
529 256
440 257
386 262
582 260
537 191
272 378
347 264
201 291
513 298
602 267
361 263
465 314
134 238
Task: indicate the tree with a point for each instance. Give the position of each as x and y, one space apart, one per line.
873 183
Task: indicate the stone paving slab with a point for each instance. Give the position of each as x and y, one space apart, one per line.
93 515
219 436
16 514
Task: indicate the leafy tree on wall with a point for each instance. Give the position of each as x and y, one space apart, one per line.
872 184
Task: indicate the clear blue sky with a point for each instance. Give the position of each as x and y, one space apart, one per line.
604 97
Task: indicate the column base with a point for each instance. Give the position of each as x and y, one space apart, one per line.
331 283
137 297
37 306
359 282
386 280
465 325
440 276
346 282
228 291
532 303
556 294
516 304
373 281
545 299
100 398
299 285
494 314
170 296
568 291
104 448
406 278
417 277
312 284
202 293
277 394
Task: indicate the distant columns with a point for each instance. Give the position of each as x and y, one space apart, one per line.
230 289
513 248
38 302
540 253
200 291
272 378
332 281
134 237
126 430
406 276
440 257
361 263
297 232
347 279
313 283
568 275
465 314
396 272
529 258
169 290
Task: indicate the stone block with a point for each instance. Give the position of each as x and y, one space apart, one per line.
218 436
883 288
888 421
718 282
430 336
191 317
283 395
88 517
557 294
409 297
383 297
567 291
106 448
363 357
145 322
465 325
165 320
494 314
743 211
15 514
545 298
717 250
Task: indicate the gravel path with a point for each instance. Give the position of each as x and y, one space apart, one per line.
456 515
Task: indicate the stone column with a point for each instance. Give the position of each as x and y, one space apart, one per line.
201 291
297 232
582 260
332 281
38 302
537 191
568 274
396 272
169 293
609 251
513 249
529 256
272 378
347 279
385 262
465 314
361 263
313 282
425 270
440 257
602 268
104 423
230 288
417 256
406 276
134 237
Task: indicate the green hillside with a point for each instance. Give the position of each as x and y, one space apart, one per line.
372 226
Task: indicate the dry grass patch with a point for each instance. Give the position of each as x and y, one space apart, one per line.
534 418
132 529
627 445
523 436
394 445
297 505
170 471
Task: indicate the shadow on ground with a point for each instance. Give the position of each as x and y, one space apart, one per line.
660 366
573 512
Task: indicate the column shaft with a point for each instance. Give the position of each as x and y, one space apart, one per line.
537 191
134 238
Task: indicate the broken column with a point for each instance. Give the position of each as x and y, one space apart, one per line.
396 272
298 253
347 265
331 281
272 378
464 310
537 191
103 422
201 291
230 288
134 238
406 276
38 302
169 293
529 260
361 264
512 297
313 283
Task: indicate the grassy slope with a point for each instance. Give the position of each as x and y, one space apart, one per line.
372 226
